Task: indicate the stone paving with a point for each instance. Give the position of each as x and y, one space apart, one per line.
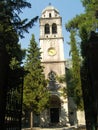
61 128
81 127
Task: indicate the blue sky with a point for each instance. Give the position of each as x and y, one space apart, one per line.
67 9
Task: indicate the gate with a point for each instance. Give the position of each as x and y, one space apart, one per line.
14 106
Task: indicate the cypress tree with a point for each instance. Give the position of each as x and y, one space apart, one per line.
76 71
35 96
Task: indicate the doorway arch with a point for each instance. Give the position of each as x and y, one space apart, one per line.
55 108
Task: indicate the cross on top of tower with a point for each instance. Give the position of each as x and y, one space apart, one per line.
49 3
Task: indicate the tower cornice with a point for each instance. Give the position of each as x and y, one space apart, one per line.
50 38
63 61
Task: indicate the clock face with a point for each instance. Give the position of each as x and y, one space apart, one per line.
51 51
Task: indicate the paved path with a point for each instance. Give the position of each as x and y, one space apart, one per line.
63 128
81 127
57 128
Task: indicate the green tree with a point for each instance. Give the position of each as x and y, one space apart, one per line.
11 27
76 71
83 24
9 14
35 96
11 70
70 82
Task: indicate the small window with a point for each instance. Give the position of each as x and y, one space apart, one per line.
47 29
54 28
49 15
55 15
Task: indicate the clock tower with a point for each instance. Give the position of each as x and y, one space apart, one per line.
51 44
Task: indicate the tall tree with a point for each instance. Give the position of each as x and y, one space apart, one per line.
35 96
11 27
86 83
84 24
76 71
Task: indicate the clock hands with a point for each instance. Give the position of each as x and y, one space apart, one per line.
52 51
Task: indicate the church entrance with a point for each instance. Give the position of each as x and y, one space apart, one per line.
55 106
54 115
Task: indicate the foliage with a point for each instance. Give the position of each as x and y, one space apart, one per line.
76 81
9 12
35 96
70 82
83 24
61 79
11 55
87 20
11 27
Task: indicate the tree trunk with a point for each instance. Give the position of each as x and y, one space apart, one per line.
31 120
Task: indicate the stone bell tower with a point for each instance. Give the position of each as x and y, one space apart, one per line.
51 44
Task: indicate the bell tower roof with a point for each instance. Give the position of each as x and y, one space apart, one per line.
50 9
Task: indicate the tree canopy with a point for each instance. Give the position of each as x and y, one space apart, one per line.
76 72
36 95
9 13
83 25
11 28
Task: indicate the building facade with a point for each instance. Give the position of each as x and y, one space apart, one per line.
51 44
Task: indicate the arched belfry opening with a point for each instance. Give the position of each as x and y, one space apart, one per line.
54 28
55 107
47 29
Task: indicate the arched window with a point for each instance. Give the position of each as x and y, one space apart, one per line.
54 28
49 15
47 29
